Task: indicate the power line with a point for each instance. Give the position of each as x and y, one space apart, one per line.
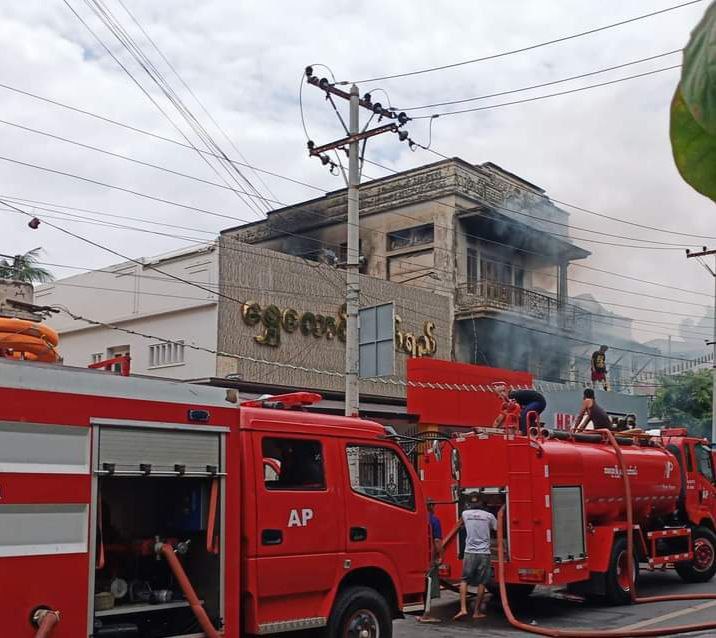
147 66
194 239
523 49
279 176
191 92
215 184
549 95
541 84
156 136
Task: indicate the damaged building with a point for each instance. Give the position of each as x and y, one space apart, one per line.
491 242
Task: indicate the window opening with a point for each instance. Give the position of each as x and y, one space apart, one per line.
705 462
408 237
292 464
379 473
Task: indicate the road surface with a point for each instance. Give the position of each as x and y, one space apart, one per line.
548 609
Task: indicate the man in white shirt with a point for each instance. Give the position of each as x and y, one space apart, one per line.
477 561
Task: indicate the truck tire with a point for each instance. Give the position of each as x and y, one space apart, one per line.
703 567
617 582
358 610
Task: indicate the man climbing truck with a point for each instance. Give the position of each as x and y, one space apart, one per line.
135 507
565 505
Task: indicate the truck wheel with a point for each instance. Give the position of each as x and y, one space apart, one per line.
703 567
360 612
618 591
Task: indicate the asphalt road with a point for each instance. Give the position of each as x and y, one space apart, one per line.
547 608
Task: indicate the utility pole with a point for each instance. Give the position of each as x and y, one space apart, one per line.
351 143
705 253
352 263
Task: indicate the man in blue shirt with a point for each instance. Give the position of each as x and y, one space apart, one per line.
433 577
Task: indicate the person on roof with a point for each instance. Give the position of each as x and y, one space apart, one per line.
599 367
528 400
591 413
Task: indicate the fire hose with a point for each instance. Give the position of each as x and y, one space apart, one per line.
45 621
601 633
206 625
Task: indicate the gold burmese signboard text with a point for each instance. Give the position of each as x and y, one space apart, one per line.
273 321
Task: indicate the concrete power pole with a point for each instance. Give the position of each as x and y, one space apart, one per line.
704 253
352 262
352 265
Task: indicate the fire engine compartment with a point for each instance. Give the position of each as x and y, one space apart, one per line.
156 485
146 601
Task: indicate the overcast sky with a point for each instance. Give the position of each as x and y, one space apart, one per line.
605 149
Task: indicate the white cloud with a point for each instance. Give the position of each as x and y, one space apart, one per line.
605 149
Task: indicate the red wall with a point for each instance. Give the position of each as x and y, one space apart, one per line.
457 407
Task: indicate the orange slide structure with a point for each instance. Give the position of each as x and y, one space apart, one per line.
22 339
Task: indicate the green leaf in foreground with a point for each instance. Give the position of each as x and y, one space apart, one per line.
698 76
694 149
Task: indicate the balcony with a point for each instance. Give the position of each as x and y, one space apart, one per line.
486 296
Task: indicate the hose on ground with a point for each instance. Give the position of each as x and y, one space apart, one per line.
601 633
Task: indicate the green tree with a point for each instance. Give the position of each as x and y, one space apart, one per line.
685 400
693 109
25 268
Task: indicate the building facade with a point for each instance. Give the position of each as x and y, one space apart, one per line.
490 242
137 297
283 319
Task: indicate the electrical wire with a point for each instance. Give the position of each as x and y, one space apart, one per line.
548 95
531 47
541 84
191 92
386 168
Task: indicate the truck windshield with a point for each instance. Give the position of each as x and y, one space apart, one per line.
705 462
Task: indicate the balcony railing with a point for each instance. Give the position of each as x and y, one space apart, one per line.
487 295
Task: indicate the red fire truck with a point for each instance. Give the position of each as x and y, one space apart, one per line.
565 504
143 508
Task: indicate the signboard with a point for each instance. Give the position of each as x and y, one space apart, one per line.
376 338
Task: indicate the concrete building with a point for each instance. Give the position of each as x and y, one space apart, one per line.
492 243
136 297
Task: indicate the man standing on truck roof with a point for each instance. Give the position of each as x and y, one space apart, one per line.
528 400
477 560
594 414
433 577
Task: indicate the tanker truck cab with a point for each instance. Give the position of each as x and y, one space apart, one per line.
335 527
697 501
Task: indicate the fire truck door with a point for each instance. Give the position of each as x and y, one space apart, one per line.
383 517
299 521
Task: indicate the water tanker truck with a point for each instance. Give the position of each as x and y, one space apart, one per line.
566 507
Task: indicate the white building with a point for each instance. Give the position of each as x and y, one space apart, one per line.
137 297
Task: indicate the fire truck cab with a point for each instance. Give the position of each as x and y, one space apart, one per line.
281 518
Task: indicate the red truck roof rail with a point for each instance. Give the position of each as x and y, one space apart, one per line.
284 401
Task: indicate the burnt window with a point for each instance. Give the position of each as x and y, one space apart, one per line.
292 464
408 237
378 472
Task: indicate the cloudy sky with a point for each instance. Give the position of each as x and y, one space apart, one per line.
605 149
